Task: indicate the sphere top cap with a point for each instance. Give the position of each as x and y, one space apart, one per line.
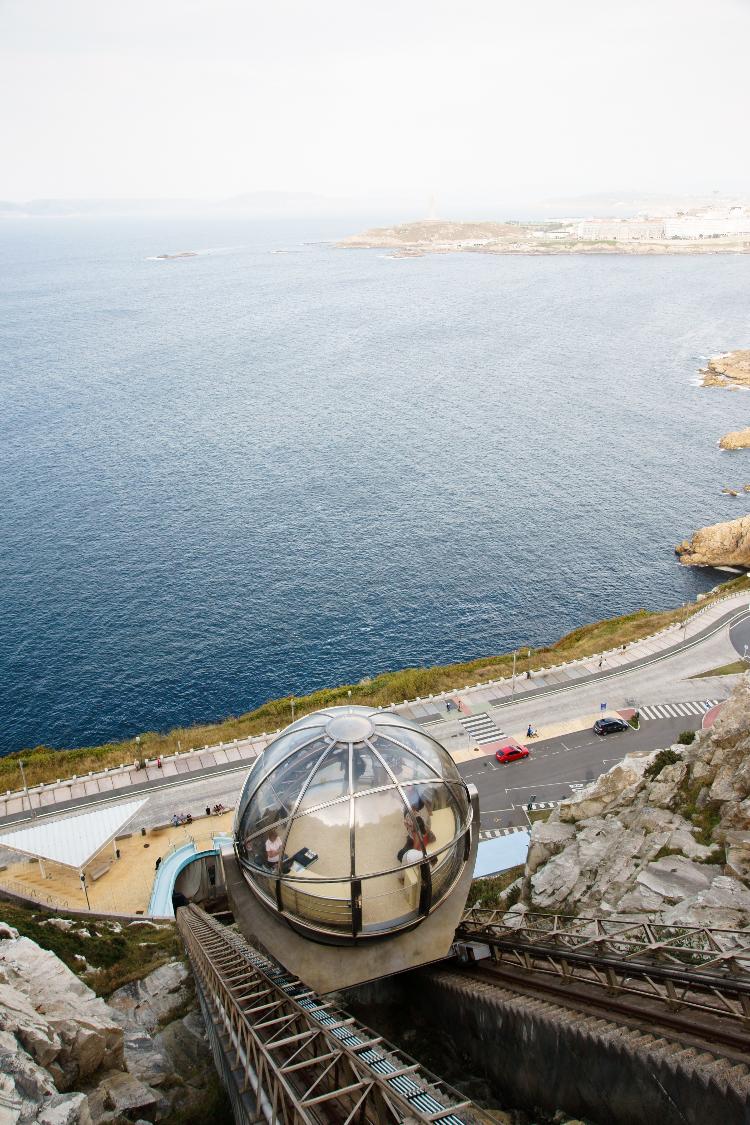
349 728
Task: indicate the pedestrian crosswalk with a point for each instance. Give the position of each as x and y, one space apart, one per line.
493 833
481 728
677 710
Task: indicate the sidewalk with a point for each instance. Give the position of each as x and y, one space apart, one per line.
431 712
502 693
127 779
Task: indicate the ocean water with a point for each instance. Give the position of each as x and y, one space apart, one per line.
245 474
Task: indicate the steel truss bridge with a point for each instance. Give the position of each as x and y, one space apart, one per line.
684 967
287 1056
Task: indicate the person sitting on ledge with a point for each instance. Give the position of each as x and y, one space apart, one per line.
410 856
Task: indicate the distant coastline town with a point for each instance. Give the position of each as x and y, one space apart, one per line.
723 228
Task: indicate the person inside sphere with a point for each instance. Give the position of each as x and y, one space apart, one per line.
274 845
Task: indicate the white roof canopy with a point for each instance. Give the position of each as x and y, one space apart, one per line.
74 840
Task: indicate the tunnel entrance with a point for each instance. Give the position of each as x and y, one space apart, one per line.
202 881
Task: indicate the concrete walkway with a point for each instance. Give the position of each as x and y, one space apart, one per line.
568 697
498 698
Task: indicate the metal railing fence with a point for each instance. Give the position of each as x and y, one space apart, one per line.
294 1057
685 966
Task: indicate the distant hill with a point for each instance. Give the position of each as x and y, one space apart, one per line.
260 203
426 233
626 203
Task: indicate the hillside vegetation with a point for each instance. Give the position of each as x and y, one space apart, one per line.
44 764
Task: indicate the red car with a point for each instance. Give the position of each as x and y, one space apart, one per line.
511 754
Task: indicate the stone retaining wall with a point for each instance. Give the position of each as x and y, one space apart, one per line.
538 1056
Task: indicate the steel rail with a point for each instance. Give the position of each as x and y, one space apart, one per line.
297 1060
683 967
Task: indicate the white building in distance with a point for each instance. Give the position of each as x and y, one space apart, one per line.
736 224
620 230
730 223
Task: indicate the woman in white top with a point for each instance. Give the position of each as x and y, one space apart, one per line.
273 848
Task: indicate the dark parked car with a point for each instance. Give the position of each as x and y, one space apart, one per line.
511 754
610 726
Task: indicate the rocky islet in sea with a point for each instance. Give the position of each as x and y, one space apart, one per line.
726 543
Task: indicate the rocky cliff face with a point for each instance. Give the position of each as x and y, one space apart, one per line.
69 1058
665 833
721 544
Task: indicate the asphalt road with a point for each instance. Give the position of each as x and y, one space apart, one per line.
739 635
558 767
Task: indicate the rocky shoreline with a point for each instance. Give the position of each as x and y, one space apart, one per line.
730 369
728 543
721 544
433 236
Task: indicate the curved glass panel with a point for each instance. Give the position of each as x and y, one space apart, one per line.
286 744
368 770
300 772
422 747
264 808
325 835
330 781
390 901
380 831
264 848
358 817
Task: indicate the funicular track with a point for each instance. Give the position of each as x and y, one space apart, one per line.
689 980
288 1056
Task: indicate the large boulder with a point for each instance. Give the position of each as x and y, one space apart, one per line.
73 1019
149 1002
675 878
665 791
548 838
120 1096
621 782
735 439
730 369
19 1018
720 544
28 1094
725 904
65 1109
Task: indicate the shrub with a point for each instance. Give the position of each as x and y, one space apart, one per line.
686 737
664 852
489 891
718 855
662 759
512 897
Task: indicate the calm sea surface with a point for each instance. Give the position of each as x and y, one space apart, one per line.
244 474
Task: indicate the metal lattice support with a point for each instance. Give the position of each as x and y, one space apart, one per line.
294 1057
685 966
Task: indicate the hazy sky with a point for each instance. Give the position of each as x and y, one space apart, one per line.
472 98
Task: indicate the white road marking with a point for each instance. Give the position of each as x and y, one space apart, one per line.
540 785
